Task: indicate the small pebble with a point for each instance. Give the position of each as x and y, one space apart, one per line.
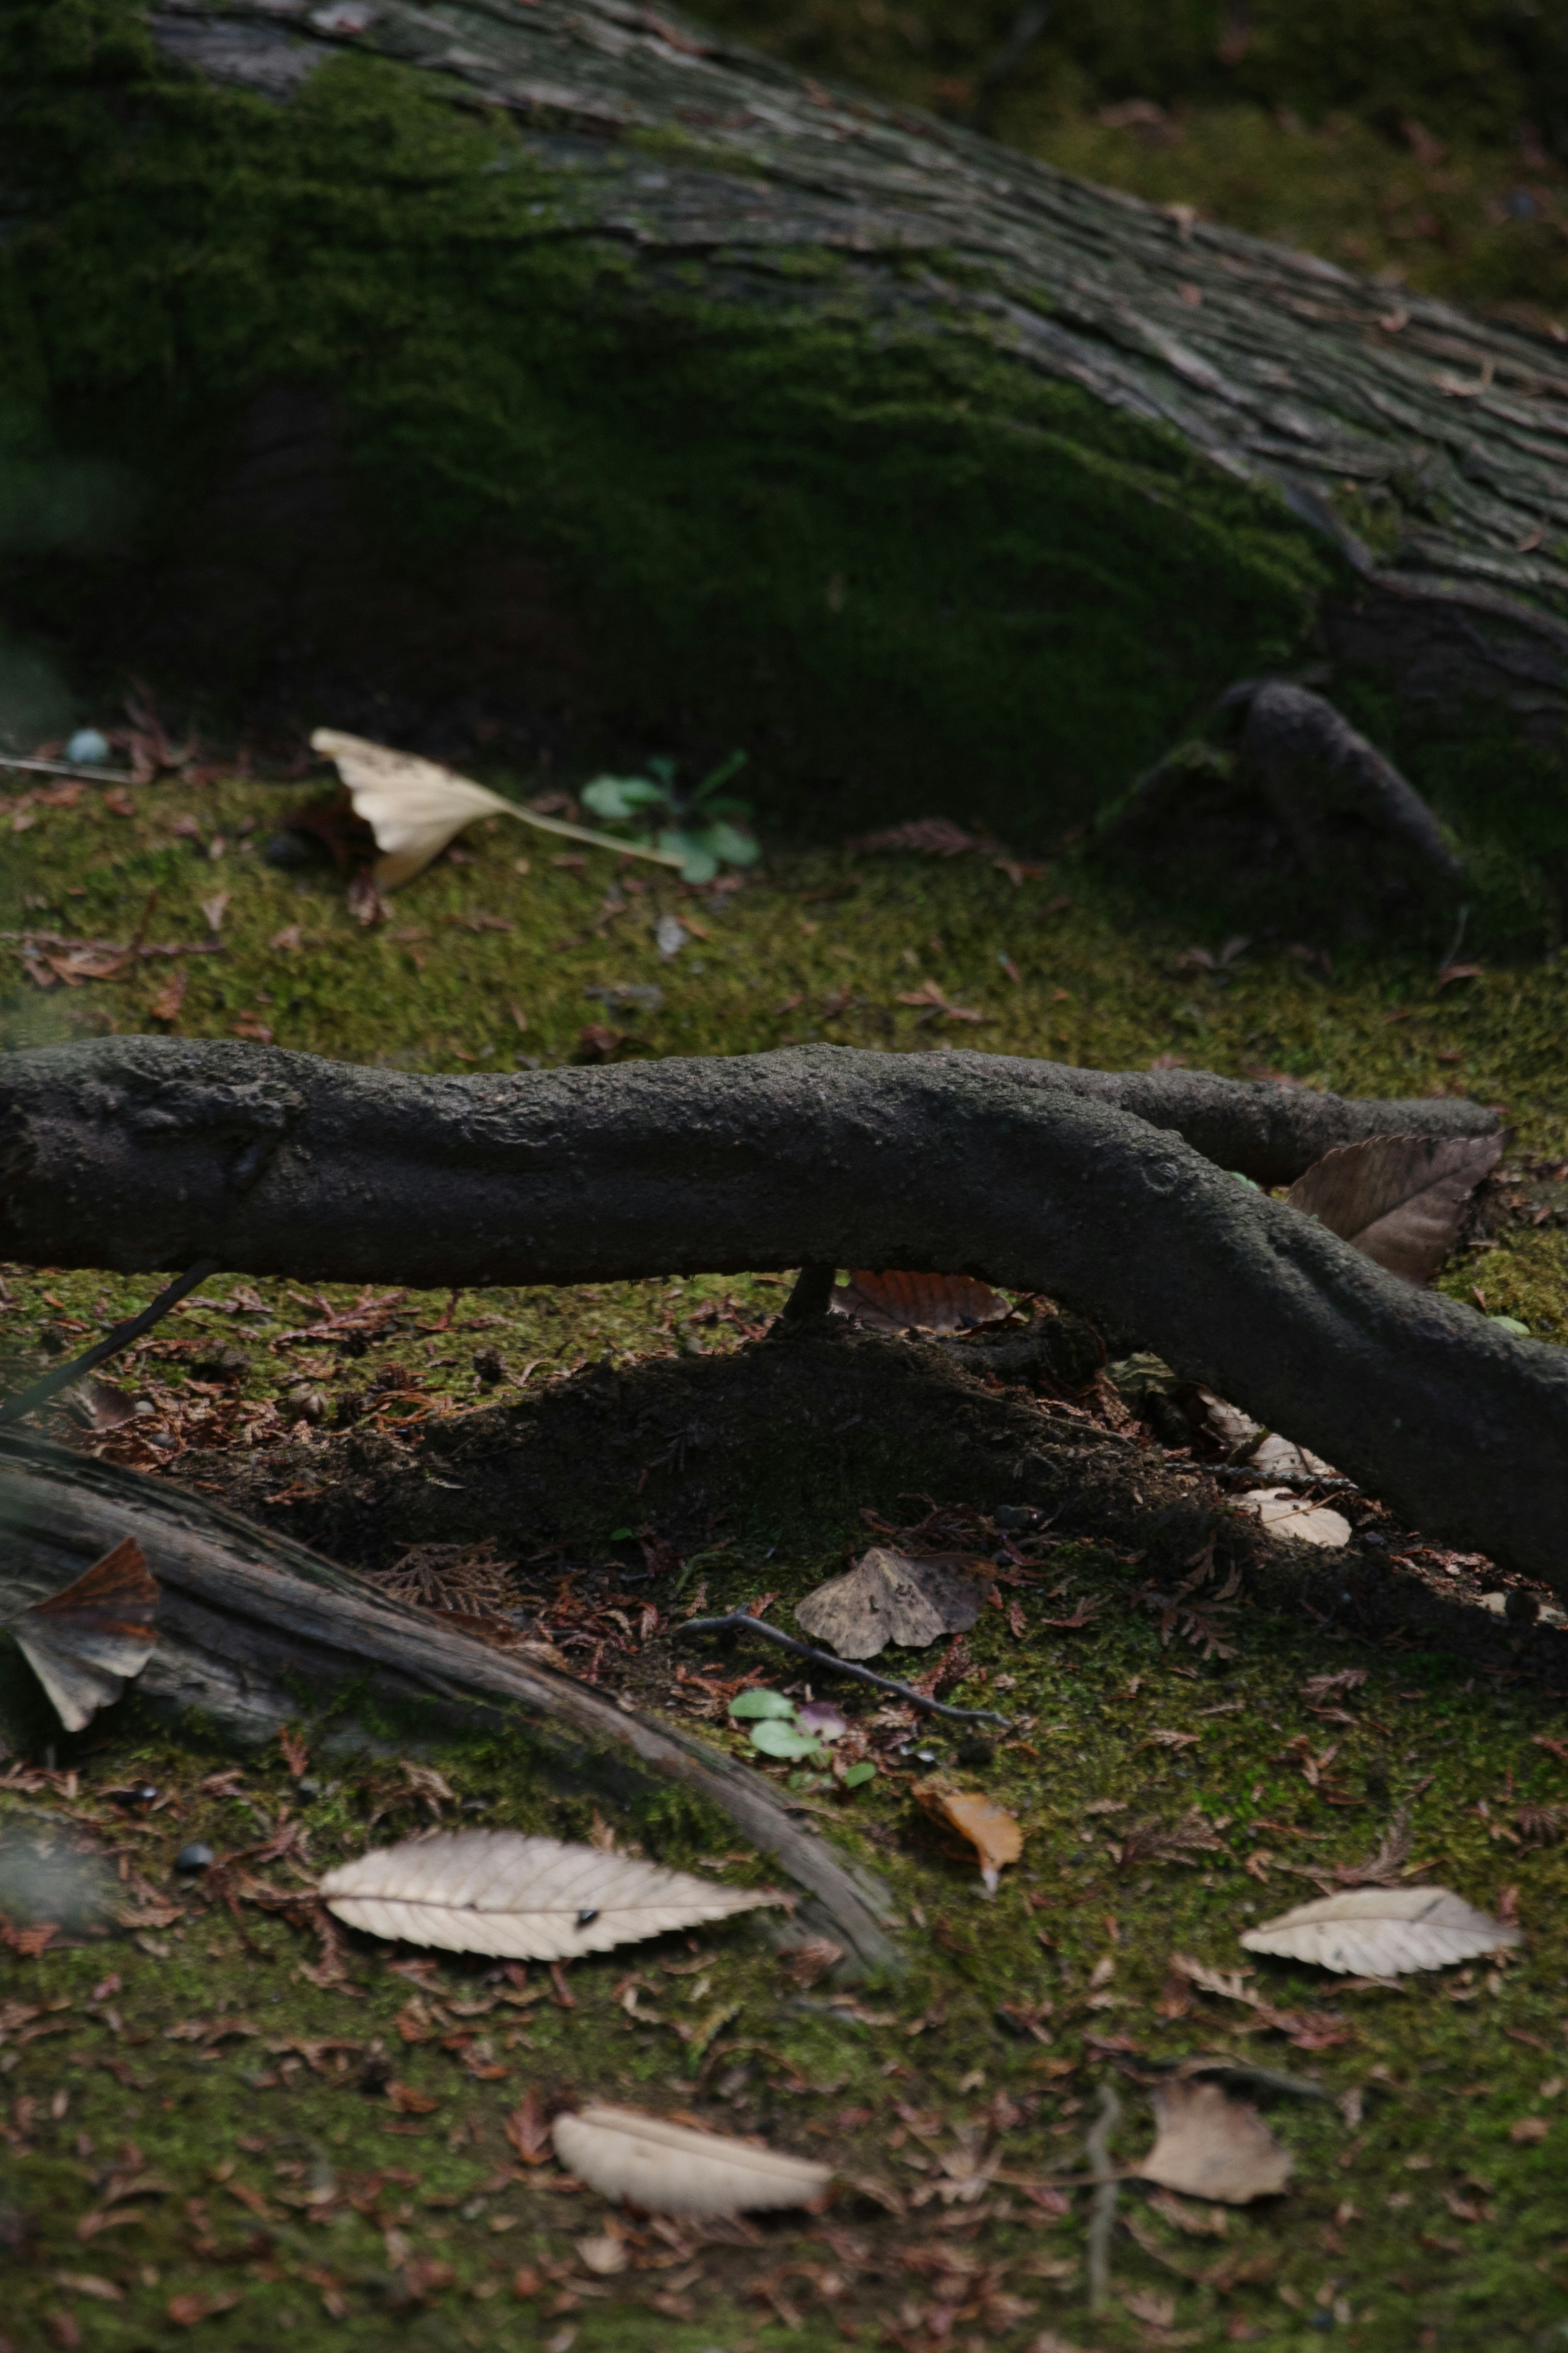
88 748
194 1857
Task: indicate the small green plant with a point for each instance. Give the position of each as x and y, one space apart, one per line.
698 826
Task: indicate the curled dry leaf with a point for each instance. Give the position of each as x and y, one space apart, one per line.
995 1835
86 1643
1210 2145
521 1898
1283 1513
1398 1199
415 808
674 2169
888 1598
926 1303
1382 1931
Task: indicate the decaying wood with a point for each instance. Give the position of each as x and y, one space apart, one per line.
1098 1188
1281 369
250 1623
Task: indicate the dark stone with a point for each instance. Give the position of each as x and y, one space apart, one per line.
194 1857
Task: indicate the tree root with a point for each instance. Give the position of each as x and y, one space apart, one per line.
1096 1187
249 1621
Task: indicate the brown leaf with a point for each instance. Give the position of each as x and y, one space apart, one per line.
1210 2145
528 2131
186 2311
929 1302
937 836
165 1006
888 1598
410 2102
1398 1199
672 2168
1283 1513
86 1643
995 1835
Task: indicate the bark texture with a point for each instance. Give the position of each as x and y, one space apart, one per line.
723 406
247 1620
1091 1187
1427 446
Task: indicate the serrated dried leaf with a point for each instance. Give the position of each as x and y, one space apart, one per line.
1382 1931
925 1302
415 808
1283 1513
1398 1199
86 1643
995 1835
525 1899
670 2168
888 1598
1209 2146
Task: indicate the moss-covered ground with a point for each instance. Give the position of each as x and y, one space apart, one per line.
215 2128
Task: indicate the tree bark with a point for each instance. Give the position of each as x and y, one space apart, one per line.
1248 455
1092 1187
248 1621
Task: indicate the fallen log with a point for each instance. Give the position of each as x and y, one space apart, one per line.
1093 1188
249 1625
537 353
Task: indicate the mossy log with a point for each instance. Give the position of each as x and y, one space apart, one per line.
402 367
1099 1189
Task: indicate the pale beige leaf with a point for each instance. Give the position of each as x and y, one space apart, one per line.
87 1641
1398 1199
1284 1513
888 1598
525 1899
674 2169
415 808
1210 2145
1382 1931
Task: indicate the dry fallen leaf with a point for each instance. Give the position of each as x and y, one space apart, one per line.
1382 1931
927 1302
1283 1513
86 1643
991 1829
1210 2145
888 1598
674 2169
521 1898
415 808
1398 1199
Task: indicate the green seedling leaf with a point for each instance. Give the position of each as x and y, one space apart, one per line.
776 1738
734 848
697 862
856 1776
716 776
752 1706
620 797
1510 1324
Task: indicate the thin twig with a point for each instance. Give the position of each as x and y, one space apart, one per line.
740 1623
1102 2217
28 1400
71 768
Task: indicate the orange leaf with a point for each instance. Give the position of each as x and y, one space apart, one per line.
991 1829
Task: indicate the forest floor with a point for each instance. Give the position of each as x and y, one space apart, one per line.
218 2126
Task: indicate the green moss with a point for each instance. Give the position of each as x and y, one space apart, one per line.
886 552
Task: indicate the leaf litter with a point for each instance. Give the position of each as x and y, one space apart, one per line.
890 1598
521 1898
1398 1199
672 2169
1382 1931
1212 2147
87 1641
